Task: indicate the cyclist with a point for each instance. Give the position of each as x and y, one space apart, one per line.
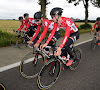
22 23
48 26
31 25
97 23
71 32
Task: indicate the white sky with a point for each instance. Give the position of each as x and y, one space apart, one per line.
12 9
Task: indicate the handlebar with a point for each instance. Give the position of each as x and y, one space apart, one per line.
19 31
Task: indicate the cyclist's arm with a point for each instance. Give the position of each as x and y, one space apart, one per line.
36 33
94 26
22 25
28 26
43 34
52 33
67 33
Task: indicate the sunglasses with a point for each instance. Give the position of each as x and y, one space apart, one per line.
37 20
52 16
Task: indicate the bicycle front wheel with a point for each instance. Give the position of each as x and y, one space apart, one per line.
49 74
31 64
21 43
93 43
13 41
78 55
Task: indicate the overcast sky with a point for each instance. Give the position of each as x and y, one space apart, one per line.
12 9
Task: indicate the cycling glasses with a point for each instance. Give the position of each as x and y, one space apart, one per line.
37 20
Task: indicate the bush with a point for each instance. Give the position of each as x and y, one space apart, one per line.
85 26
5 38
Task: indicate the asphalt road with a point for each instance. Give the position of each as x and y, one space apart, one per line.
85 77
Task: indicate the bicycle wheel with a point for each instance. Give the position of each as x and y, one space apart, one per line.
31 64
78 55
13 41
49 74
93 43
2 87
21 43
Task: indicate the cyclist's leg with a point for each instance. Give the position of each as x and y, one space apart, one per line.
97 31
99 34
71 39
31 31
55 38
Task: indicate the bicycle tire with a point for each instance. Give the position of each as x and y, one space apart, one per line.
24 65
2 87
77 59
21 43
93 44
13 43
41 73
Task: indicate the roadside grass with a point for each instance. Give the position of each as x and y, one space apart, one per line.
5 38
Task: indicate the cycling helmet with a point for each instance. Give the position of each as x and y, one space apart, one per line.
98 19
38 15
56 11
20 18
25 14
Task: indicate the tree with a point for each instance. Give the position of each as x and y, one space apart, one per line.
43 4
96 3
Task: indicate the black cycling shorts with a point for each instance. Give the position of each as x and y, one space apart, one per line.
97 29
31 31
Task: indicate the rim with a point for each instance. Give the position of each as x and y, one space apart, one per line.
33 62
40 85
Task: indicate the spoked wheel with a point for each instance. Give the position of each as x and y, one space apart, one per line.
49 74
78 55
21 43
93 43
13 41
31 64
2 87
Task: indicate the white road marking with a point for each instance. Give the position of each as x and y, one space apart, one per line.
18 63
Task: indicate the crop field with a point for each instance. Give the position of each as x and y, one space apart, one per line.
10 25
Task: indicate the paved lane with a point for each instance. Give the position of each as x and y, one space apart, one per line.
85 77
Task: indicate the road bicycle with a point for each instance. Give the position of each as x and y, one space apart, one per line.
50 72
94 42
14 38
32 63
21 39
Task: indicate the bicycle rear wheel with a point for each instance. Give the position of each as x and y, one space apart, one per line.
21 43
13 41
31 64
93 43
49 74
78 55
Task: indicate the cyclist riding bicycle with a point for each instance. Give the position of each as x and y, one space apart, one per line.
22 23
48 26
97 23
71 32
31 25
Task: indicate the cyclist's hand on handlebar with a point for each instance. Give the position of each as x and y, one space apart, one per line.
29 42
43 46
58 52
36 45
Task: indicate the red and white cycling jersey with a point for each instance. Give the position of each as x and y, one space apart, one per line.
48 26
28 23
69 27
23 24
96 24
